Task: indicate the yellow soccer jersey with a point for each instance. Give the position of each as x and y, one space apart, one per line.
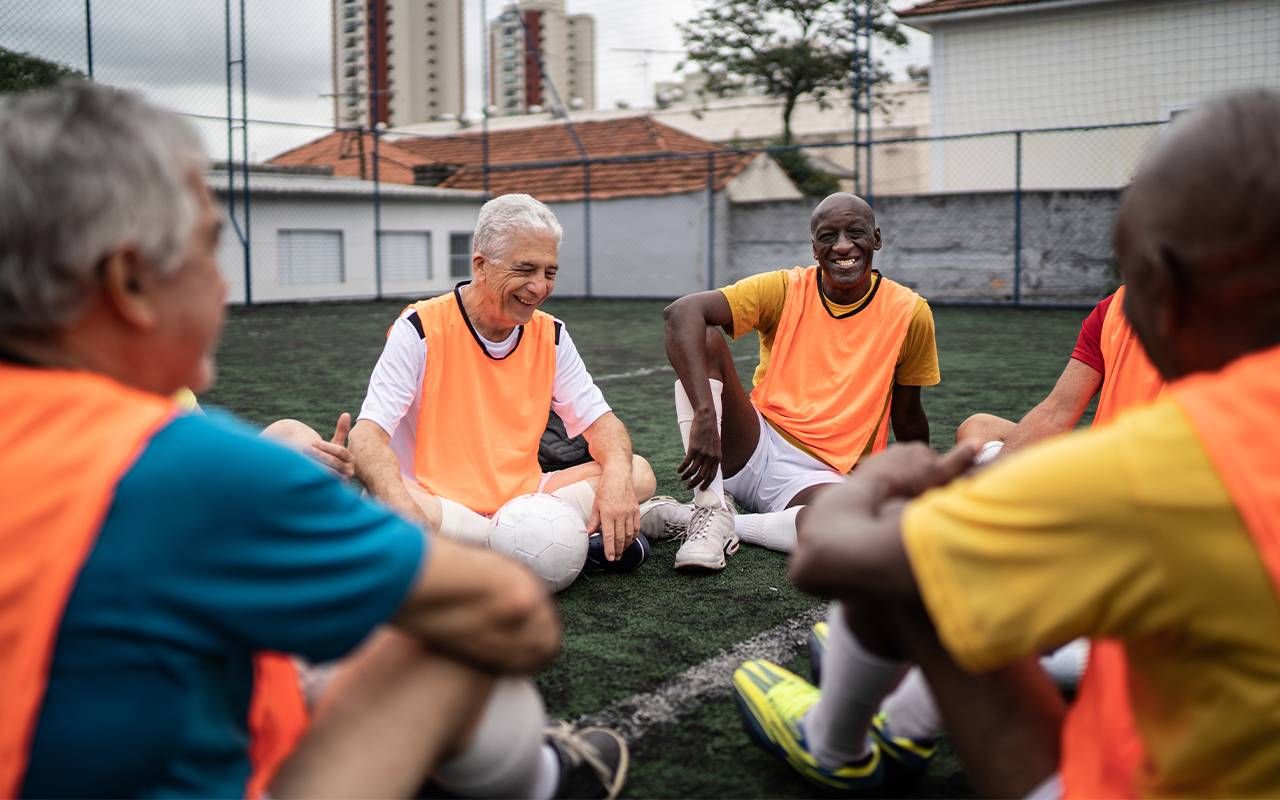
757 302
1124 532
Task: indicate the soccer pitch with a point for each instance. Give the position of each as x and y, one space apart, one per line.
652 652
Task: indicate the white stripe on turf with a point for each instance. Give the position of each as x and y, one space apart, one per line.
634 716
640 373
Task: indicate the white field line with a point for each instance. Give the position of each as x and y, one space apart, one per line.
640 373
636 715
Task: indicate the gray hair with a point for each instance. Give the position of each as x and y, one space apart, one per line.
85 170
506 214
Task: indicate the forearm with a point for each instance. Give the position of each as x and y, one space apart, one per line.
379 471
825 565
609 444
910 423
685 338
1046 419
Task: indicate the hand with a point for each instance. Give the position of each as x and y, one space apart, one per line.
702 459
334 454
907 470
615 512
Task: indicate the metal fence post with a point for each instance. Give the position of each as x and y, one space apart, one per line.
1017 219
586 226
88 34
375 106
711 220
867 86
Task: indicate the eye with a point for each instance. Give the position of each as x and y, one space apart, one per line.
826 238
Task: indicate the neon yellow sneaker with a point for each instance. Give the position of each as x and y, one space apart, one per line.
773 703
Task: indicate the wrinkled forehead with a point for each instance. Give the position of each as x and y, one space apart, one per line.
841 214
528 246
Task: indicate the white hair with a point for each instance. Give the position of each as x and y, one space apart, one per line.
505 215
85 170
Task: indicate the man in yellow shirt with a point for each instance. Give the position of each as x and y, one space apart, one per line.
1160 531
844 352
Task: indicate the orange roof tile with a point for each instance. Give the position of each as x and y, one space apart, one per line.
547 148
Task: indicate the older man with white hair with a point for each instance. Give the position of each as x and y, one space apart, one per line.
458 400
149 556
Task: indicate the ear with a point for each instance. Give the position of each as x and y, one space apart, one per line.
126 282
815 249
876 246
477 266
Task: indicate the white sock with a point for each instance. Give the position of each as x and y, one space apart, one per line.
505 756
775 530
911 709
548 781
1066 664
854 684
712 496
580 495
462 524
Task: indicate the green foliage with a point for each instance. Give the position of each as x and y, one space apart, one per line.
21 72
785 48
810 180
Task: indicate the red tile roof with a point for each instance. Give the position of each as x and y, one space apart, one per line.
351 156
640 139
947 6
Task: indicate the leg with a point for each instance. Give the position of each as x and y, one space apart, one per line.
1005 723
982 428
577 486
641 476
739 429
291 433
447 517
391 715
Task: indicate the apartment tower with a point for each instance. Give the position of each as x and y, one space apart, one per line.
397 62
541 31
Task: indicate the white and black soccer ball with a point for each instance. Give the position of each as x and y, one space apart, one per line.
545 534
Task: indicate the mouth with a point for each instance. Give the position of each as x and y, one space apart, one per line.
531 304
846 264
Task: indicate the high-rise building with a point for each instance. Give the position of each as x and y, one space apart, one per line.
398 62
540 30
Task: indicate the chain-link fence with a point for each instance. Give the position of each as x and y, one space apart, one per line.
349 166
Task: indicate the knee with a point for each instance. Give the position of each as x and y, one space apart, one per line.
982 428
291 432
645 482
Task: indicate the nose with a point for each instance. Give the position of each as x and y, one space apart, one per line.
843 244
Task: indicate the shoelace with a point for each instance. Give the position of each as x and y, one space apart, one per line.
578 750
700 528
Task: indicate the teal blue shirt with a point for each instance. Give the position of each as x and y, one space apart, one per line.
217 544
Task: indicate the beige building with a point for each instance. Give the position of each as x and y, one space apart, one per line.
400 67
566 46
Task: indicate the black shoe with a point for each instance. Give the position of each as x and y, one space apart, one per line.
631 559
593 762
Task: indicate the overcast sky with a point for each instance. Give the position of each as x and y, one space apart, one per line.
174 50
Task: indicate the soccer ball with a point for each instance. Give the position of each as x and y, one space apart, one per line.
545 534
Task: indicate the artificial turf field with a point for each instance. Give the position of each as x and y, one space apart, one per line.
627 636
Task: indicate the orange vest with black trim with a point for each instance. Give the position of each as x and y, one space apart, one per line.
1101 749
278 718
69 439
829 375
480 418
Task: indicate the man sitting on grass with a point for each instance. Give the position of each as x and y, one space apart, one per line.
843 353
458 400
1160 531
149 556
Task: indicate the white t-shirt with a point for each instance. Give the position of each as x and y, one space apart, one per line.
395 386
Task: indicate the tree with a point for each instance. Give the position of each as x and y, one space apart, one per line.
785 48
21 72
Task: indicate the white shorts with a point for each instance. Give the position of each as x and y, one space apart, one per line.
776 472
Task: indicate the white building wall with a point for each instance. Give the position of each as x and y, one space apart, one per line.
1088 64
353 217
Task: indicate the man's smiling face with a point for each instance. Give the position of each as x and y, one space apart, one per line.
845 238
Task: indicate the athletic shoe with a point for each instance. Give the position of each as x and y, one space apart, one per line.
773 703
631 559
664 517
593 761
709 539
817 649
907 759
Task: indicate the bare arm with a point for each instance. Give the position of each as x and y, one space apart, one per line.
482 609
379 471
687 320
616 510
906 412
1061 410
850 541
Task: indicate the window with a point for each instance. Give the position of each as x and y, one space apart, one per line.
406 255
459 255
308 258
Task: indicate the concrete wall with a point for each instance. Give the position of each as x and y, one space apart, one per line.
956 246
354 218
643 246
1088 64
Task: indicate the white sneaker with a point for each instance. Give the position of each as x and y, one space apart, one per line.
709 539
664 517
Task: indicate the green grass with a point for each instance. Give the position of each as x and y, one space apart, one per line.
627 634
